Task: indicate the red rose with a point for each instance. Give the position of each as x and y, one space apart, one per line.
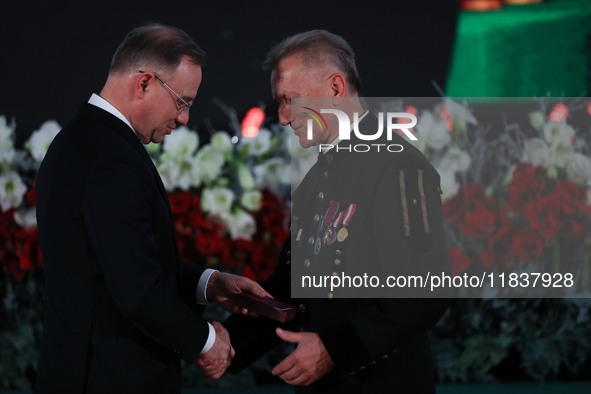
498 250
32 197
179 203
11 263
525 186
209 243
573 198
527 245
476 196
542 215
454 207
479 223
459 261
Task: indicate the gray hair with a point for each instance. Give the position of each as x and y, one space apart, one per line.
156 46
317 47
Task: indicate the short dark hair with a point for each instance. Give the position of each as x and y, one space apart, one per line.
156 46
317 47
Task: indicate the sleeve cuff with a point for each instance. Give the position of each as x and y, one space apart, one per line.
202 288
210 339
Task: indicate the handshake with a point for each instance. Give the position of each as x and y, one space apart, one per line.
306 364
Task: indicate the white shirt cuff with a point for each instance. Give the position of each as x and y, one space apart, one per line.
210 338
202 288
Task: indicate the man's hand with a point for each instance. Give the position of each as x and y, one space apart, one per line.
225 288
214 362
308 363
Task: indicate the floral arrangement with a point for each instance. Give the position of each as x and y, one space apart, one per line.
515 196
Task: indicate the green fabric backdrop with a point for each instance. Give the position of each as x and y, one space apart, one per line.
523 51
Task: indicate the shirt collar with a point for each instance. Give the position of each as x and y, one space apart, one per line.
103 104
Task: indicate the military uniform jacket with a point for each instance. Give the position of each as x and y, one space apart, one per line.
397 229
120 306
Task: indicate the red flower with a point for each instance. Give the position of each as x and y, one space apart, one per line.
558 113
209 243
525 186
476 197
479 223
542 215
454 207
459 261
573 198
179 203
11 263
32 197
498 250
527 245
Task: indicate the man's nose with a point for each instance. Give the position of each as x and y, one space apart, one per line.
183 118
284 115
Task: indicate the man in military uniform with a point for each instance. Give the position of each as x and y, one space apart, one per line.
352 212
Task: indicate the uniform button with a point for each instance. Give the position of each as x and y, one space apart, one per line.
321 196
337 262
302 308
316 218
329 296
385 356
326 174
414 201
311 241
337 252
306 263
351 373
301 329
288 253
373 363
288 263
395 351
362 367
335 274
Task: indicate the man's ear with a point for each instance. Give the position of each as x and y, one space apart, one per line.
143 84
338 88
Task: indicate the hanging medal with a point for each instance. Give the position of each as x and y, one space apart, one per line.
335 226
333 208
347 216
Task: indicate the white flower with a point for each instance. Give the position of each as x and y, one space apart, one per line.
26 218
558 134
217 200
535 151
221 142
182 142
272 173
578 169
560 156
449 185
210 163
537 120
7 151
459 114
12 190
251 200
180 172
152 148
258 145
432 132
455 160
240 224
41 139
245 177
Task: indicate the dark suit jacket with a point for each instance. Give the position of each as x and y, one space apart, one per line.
120 306
377 344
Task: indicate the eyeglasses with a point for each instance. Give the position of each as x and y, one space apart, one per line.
181 104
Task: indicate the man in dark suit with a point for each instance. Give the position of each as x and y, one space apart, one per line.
121 308
391 223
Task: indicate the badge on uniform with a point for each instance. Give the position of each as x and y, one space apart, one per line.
344 218
329 233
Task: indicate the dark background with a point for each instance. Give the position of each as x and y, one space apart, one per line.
54 55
